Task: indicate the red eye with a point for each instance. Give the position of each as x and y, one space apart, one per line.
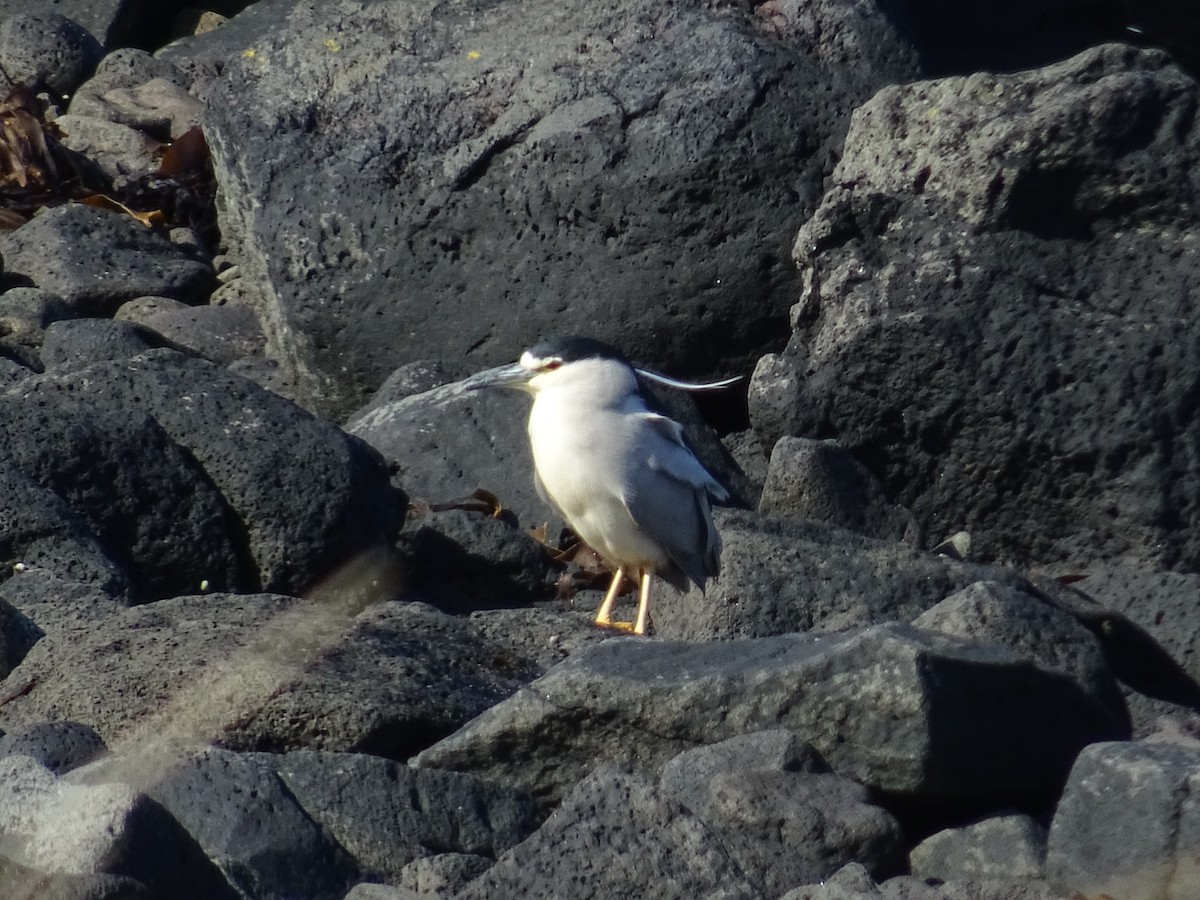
551 364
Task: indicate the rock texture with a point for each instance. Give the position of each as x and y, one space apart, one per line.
982 317
249 652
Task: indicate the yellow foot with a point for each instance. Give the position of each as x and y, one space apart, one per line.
623 627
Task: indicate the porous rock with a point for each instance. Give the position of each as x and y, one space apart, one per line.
96 260
1002 271
614 834
47 51
252 826
1009 846
784 575
513 172
65 826
387 815
1128 822
900 710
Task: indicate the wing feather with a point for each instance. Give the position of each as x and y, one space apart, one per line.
669 497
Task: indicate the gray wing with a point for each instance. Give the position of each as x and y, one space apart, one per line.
669 496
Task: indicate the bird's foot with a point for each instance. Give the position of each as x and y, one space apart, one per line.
623 627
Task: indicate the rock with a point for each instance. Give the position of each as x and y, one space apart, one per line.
1127 824
390 682
59 746
613 835
159 107
779 576
307 498
219 333
626 157
264 672
17 634
388 816
67 826
115 672
120 151
461 561
383 892
252 827
787 827
1011 846
65 609
1029 627
818 480
1156 683
96 260
123 492
903 711
443 875
47 51
991 290
852 882
78 343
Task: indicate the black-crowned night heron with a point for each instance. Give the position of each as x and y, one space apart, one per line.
618 472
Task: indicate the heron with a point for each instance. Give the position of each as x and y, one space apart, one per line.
617 471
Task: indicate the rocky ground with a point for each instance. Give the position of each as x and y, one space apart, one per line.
281 613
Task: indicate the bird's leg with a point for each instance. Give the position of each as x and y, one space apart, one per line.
604 616
643 613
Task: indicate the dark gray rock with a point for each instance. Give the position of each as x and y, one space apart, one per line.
48 51
220 333
613 835
914 713
41 531
782 575
17 634
249 823
443 875
1156 662
1128 822
782 825
853 882
121 153
387 815
383 892
819 480
509 173
1028 626
306 497
266 673
141 499
96 260
68 826
63 608
390 682
1010 846
686 776
461 561
75 343
59 746
115 669
22 883
991 293
24 314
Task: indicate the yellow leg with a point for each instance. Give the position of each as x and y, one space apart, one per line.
643 614
604 616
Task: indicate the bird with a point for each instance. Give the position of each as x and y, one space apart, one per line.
614 468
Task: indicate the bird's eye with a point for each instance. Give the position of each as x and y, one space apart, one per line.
551 364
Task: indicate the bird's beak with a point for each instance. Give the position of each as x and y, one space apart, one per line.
513 375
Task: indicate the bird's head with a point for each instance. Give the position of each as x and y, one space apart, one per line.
558 363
